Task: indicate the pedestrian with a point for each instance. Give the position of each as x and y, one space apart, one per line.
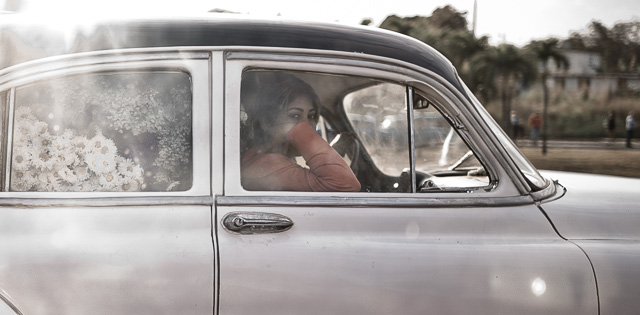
514 124
629 126
611 125
535 122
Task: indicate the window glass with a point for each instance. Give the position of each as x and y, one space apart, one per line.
318 132
125 132
443 159
379 116
286 120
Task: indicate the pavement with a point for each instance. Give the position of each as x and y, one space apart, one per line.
592 144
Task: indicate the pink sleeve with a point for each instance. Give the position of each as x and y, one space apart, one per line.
327 170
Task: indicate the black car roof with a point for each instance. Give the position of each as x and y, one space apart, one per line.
216 31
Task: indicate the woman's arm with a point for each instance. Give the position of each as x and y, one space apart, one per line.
273 171
327 169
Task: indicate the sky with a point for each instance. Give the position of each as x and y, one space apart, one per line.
511 21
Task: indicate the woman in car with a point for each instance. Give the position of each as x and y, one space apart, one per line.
279 119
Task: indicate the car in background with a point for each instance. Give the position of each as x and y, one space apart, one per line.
120 186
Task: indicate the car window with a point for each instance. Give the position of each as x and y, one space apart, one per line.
116 131
443 160
354 128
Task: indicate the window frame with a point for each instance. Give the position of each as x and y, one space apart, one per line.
452 105
195 65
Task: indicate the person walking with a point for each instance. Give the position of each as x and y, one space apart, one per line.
535 121
611 125
514 124
629 126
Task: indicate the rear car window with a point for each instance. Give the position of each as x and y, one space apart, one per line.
116 131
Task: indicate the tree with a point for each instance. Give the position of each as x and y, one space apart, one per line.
544 51
445 30
448 18
499 70
619 46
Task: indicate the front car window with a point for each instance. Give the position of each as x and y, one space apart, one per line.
443 161
121 131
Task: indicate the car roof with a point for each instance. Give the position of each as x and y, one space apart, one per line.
41 40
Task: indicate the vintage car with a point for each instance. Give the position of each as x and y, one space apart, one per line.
122 189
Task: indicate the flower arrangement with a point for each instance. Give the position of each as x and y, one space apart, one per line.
104 132
68 162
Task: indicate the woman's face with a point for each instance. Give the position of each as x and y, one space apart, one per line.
299 110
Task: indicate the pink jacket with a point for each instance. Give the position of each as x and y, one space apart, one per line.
273 171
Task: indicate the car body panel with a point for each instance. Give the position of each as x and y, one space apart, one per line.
596 207
380 260
107 260
601 215
616 267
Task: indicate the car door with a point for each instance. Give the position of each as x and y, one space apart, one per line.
105 205
411 241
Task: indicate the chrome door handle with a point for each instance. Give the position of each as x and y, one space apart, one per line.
255 222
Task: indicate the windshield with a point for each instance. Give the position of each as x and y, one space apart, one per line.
534 178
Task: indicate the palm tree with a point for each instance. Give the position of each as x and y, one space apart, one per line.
499 70
461 46
544 51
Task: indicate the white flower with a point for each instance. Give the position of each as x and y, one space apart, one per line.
109 181
130 184
66 174
42 160
81 143
81 172
47 181
99 163
98 142
21 159
108 148
21 181
129 169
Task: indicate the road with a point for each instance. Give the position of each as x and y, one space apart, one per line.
598 144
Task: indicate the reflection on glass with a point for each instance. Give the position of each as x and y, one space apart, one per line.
103 132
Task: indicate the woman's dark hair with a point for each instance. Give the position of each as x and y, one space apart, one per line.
264 95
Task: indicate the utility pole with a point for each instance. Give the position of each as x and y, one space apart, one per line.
475 17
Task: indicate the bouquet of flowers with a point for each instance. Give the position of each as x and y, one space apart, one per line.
68 162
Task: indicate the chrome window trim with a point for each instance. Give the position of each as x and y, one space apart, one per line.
412 139
8 131
91 202
490 144
403 201
93 63
216 128
328 63
64 62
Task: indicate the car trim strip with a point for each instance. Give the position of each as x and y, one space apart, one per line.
409 202
105 202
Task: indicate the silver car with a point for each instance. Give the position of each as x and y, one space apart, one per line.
124 191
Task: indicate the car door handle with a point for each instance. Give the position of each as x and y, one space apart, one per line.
255 222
